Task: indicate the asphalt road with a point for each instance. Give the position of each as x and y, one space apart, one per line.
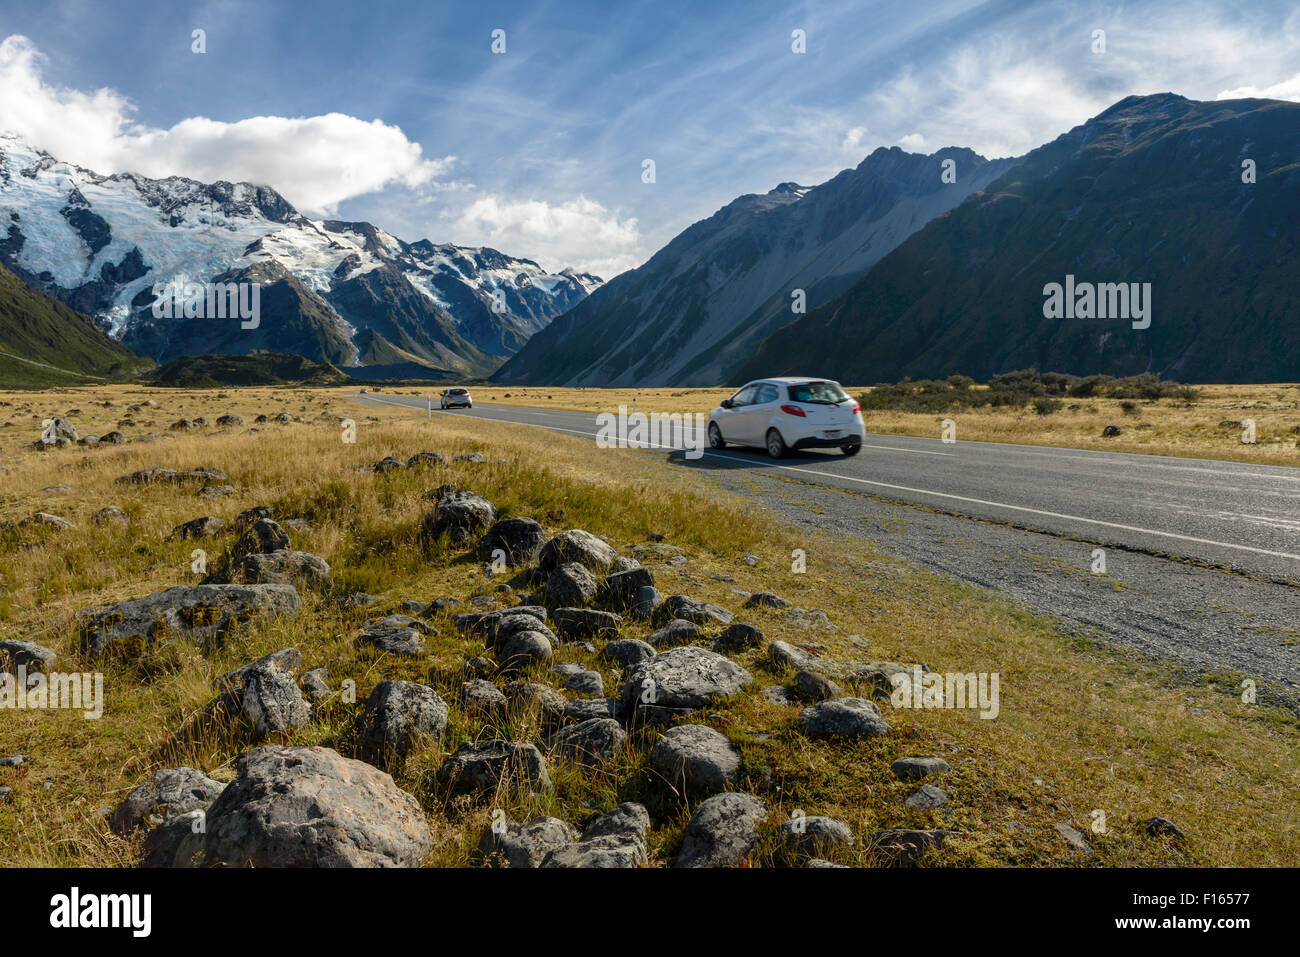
1208 552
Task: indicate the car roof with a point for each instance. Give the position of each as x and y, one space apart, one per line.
791 380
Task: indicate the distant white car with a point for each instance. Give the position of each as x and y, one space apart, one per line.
456 398
789 413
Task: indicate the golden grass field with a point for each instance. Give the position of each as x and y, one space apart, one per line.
1081 727
1160 427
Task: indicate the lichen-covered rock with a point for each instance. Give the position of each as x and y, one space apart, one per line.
695 758
281 567
685 677
170 792
309 807
397 715
570 585
517 541
28 655
843 718
576 545
486 766
524 845
722 832
199 613
590 743
693 610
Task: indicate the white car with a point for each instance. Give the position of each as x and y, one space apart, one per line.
789 413
452 398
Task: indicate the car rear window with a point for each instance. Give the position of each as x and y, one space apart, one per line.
457 391
825 393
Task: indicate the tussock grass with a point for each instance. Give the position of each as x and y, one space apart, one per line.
1081 728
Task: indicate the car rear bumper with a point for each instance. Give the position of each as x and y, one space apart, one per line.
817 442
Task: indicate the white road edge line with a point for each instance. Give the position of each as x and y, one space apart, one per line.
947 495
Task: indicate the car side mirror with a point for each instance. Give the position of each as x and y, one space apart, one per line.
726 403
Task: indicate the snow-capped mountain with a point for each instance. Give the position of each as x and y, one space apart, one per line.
701 305
349 293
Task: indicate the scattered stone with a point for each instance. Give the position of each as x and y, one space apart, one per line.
1163 827
483 697
15 654
570 585
425 459
230 421
589 683
309 807
765 599
627 652
386 465
216 491
261 537
722 832
647 599
613 840
111 515
808 618
685 677
679 631
925 797
462 512
473 458
46 520
521 650
518 540
1110 431
315 686
394 637
172 476
356 599
843 718
622 587
913 769
576 545
282 567
905 846
398 714
693 610
777 694
584 709
815 686
533 696
1073 837
739 637
204 527
12 761
199 613
695 758
591 742
170 792
577 624
489 765
286 660
525 845
814 835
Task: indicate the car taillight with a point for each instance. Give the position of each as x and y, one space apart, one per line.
857 407
792 410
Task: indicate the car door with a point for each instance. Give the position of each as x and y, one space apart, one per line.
732 420
758 416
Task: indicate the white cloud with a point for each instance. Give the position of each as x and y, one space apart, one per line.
1284 90
854 139
580 232
912 142
316 162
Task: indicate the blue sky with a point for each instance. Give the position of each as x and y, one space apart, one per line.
400 113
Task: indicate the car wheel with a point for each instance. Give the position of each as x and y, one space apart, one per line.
470 406
716 441
851 448
775 444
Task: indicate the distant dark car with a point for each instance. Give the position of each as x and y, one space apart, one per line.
457 398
